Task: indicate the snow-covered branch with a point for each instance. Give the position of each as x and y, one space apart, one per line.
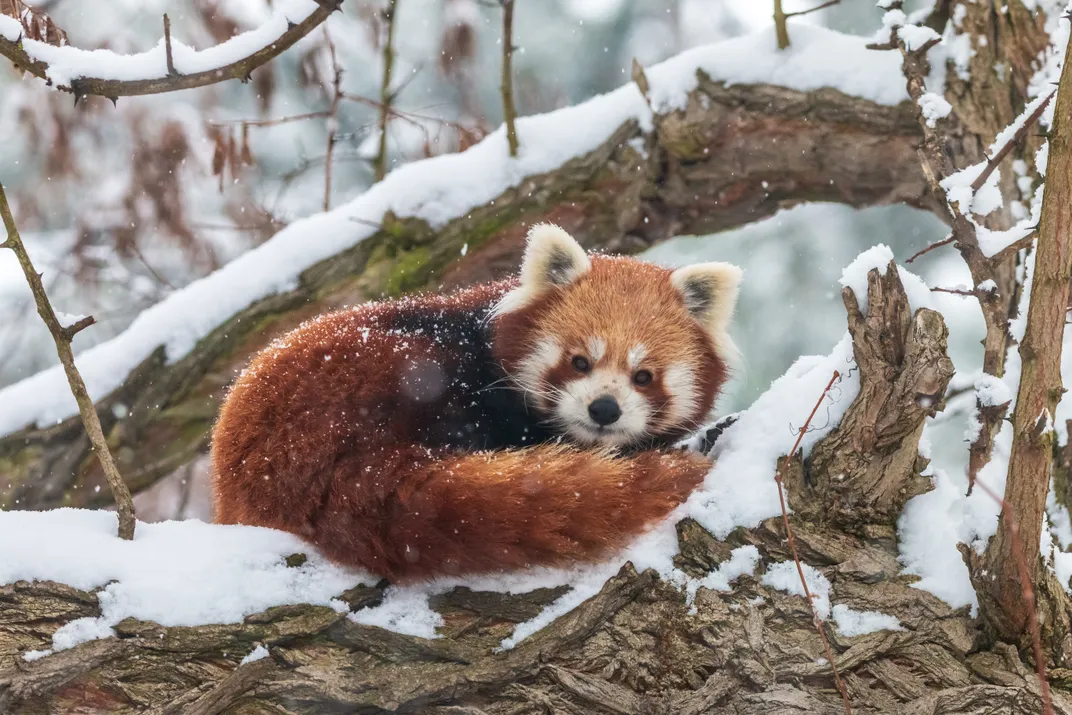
168 67
728 138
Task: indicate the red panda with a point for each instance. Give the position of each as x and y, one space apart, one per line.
519 423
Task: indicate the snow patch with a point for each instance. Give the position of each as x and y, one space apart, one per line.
854 276
258 653
783 576
858 623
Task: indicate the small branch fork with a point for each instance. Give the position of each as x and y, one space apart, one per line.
781 30
386 97
507 85
113 89
62 336
796 556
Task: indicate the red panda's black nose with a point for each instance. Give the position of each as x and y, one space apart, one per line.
605 411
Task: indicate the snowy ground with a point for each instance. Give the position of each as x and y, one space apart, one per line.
189 573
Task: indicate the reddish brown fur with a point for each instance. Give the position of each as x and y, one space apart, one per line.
328 436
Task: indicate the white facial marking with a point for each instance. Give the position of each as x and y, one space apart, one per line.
680 382
636 355
597 348
572 409
531 370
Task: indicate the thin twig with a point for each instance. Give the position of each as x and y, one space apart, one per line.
269 122
827 4
167 48
780 28
380 164
507 84
1028 592
113 88
796 556
333 121
992 163
956 291
937 244
62 336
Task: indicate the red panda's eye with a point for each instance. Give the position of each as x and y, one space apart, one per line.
580 364
642 378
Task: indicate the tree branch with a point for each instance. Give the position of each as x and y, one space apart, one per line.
507 84
780 29
23 59
735 155
796 556
380 164
62 337
1040 380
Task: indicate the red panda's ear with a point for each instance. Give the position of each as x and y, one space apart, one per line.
552 258
709 291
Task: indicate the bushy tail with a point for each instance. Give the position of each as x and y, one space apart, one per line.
489 511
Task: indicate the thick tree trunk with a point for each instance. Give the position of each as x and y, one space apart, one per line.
734 155
1014 552
635 648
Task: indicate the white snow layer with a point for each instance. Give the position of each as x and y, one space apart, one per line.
858 623
441 189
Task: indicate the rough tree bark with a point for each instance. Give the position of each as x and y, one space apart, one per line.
632 649
734 155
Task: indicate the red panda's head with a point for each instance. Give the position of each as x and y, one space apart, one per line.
614 351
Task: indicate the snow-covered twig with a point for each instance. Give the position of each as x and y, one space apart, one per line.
63 335
793 546
999 156
507 85
107 74
386 97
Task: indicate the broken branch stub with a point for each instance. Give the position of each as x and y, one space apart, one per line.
864 471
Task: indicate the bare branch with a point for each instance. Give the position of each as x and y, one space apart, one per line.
380 164
937 244
827 4
167 47
113 88
793 546
332 114
507 84
780 28
62 337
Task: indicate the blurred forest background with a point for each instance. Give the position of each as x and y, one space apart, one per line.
120 206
